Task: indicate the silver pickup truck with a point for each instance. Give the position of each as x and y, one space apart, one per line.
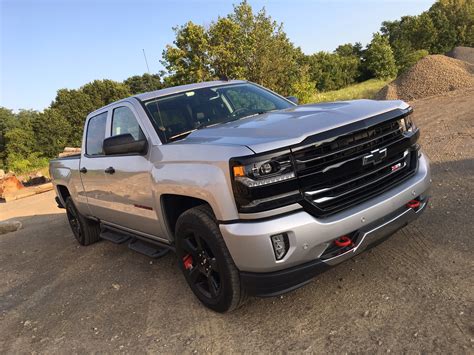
255 194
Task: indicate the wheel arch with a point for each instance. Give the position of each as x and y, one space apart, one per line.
63 193
174 205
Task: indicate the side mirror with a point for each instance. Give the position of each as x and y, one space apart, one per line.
293 99
124 144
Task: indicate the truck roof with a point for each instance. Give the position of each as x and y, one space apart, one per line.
176 89
171 90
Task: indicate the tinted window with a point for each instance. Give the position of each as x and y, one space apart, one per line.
250 98
124 121
175 116
96 134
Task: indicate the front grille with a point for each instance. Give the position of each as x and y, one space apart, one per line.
332 176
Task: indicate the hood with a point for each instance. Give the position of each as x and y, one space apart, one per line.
283 128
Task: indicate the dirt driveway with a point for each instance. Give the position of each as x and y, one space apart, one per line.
412 293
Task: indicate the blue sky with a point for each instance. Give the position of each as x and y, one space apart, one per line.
51 44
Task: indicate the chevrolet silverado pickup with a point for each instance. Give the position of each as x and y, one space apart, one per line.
255 194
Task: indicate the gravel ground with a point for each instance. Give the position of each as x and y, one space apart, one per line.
462 53
413 293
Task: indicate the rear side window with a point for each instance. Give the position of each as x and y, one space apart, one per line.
124 121
96 134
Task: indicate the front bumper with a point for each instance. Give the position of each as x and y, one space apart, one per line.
250 245
278 282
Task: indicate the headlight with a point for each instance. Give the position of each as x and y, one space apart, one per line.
264 182
263 172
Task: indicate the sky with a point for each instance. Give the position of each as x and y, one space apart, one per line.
46 45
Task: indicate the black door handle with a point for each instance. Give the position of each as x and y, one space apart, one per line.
83 170
109 170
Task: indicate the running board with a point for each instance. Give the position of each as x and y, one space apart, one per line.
148 249
113 236
141 244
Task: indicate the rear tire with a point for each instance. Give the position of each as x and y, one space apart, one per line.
205 261
85 230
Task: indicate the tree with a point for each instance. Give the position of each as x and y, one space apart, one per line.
446 31
104 92
138 84
20 139
331 71
242 45
75 105
188 60
6 122
303 89
379 58
51 131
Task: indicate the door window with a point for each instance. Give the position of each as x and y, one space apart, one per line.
96 134
124 121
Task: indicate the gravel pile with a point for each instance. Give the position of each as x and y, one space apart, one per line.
462 53
432 75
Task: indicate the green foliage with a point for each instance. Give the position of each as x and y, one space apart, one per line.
410 59
74 105
242 45
364 90
448 23
51 131
188 60
6 122
331 71
138 84
303 89
379 58
22 164
104 92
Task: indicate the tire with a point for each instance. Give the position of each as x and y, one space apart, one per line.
85 230
205 261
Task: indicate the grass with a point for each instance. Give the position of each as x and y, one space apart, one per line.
364 90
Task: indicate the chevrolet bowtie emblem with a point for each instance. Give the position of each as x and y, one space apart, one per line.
375 156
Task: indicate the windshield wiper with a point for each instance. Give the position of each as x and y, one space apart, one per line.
181 134
257 113
202 125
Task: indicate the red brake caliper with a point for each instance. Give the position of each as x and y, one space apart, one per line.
188 262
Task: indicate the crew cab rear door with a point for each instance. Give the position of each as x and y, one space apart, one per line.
92 166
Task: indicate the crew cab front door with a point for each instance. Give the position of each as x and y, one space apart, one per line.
129 177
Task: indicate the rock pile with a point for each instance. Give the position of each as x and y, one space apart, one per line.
462 53
432 75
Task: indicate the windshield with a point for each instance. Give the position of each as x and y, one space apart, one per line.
180 114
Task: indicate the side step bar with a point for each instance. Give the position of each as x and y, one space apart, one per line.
153 251
138 243
114 236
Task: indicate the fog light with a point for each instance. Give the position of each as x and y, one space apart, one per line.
280 245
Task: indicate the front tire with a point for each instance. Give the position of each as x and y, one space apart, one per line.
85 230
205 261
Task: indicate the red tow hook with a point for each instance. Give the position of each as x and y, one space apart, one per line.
413 204
188 262
343 241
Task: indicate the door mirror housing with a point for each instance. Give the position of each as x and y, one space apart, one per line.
293 99
124 144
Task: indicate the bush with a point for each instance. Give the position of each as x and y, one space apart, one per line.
21 165
303 89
